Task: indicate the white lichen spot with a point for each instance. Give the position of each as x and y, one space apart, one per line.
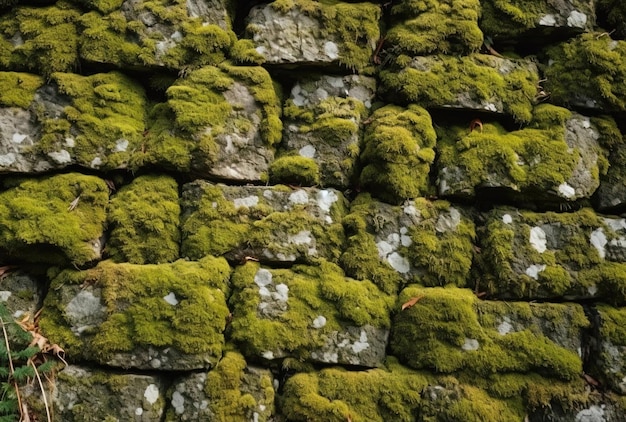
331 50
151 394
534 270
592 290
616 224
260 49
448 221
268 354
326 198
268 194
307 151
361 344
319 322
470 344
566 190
17 138
248 201
577 19
70 142
399 263
264 292
505 327
598 240
255 417
178 401
491 107
547 20
538 239
275 384
384 249
593 414
60 157
7 159
262 407
404 239
263 277
302 238
5 295
410 209
171 299
139 411
96 162
507 219
282 293
299 197
121 145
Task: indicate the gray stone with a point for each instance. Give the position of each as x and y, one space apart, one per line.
20 294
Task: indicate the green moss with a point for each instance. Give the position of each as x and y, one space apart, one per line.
398 152
243 52
137 315
37 223
614 11
144 219
588 71
441 81
49 39
427 27
296 170
286 328
355 26
236 393
18 89
456 332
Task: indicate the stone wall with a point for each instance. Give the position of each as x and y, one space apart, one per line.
318 210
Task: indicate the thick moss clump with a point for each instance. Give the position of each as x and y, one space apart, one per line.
153 33
450 330
42 40
276 224
18 89
103 123
397 153
297 312
588 71
478 81
295 170
432 26
54 220
205 109
177 309
144 220
556 156
424 242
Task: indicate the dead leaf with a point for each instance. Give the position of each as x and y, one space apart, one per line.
476 123
5 269
74 204
411 302
591 380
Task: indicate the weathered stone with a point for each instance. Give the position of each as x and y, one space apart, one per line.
557 158
311 313
303 32
54 220
425 242
231 391
322 124
586 407
476 82
85 394
610 356
611 193
156 317
144 222
140 33
519 21
450 330
577 255
21 295
270 224
217 122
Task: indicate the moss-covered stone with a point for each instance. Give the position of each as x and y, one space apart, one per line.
309 312
449 330
54 220
308 31
167 316
588 71
476 82
557 158
397 153
546 255
171 34
424 242
431 26
612 190
144 221
221 122
271 224
40 39
18 89
610 360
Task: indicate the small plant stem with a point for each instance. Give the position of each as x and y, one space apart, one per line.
12 370
43 392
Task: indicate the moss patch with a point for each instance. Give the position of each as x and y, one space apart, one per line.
144 220
397 153
137 315
18 89
588 71
476 81
427 27
450 330
40 39
38 224
295 170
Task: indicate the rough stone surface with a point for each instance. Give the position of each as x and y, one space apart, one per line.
20 294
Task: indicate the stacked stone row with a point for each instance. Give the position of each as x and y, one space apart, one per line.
348 211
